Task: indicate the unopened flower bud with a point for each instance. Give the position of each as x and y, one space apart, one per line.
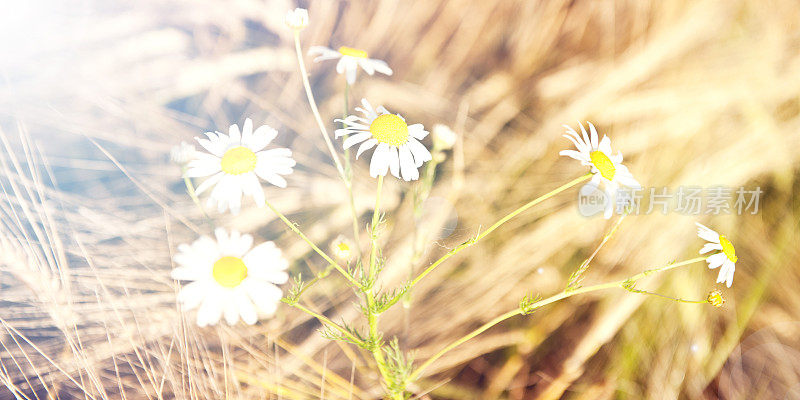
182 153
443 137
297 19
342 248
715 298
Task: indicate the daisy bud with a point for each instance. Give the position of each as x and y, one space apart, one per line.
715 298
443 137
297 19
182 153
342 248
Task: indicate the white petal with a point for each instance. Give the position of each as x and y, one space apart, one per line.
706 233
265 296
419 151
716 260
407 167
394 161
234 134
210 311
627 179
192 295
208 183
586 137
323 53
605 144
215 144
417 131
261 138
341 65
731 270
576 140
271 177
572 154
367 66
379 165
246 309
247 131
253 188
356 139
593 135
610 204
709 247
203 167
351 70
366 146
381 66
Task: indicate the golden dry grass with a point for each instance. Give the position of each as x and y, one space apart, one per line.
692 92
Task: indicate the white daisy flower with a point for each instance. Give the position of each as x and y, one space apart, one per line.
349 61
607 168
235 164
726 259
399 149
297 19
229 278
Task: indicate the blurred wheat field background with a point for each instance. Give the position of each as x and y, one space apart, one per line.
94 94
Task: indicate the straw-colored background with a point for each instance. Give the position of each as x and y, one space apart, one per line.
95 93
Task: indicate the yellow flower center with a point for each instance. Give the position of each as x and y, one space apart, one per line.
229 271
238 160
727 248
349 51
389 129
603 164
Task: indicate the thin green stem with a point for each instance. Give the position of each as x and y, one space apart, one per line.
577 276
375 217
497 224
541 303
665 268
348 168
315 110
325 320
305 238
317 278
190 190
663 296
369 293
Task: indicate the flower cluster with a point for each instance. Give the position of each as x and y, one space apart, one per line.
229 278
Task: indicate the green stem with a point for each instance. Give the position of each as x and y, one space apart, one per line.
375 216
315 110
576 277
498 224
369 293
325 320
316 279
663 296
327 258
348 168
190 190
541 303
